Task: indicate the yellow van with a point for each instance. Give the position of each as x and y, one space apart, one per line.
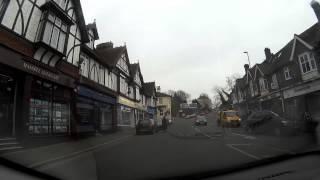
229 118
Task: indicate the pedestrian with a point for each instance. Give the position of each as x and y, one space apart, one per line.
311 126
164 123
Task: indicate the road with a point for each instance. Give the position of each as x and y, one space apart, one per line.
182 149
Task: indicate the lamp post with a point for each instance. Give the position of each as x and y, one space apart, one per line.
247 53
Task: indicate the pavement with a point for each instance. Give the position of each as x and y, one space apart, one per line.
183 148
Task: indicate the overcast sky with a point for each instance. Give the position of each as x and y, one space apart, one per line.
194 44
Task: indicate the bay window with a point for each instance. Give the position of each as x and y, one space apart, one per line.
54 32
307 62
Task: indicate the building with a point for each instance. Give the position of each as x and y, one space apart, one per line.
163 106
40 45
149 89
118 61
286 82
138 95
95 103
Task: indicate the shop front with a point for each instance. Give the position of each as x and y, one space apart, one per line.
152 112
34 98
126 112
141 112
95 111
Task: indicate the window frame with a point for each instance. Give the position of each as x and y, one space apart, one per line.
274 84
287 74
307 61
44 23
3 8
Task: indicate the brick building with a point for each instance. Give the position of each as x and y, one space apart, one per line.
286 82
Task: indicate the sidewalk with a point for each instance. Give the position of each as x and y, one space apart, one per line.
36 157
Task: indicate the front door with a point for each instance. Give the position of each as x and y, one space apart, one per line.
7 91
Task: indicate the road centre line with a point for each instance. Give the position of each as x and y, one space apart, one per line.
243 152
38 164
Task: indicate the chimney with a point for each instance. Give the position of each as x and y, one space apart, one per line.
268 54
158 89
105 45
316 8
246 67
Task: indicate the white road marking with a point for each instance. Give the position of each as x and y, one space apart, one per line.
38 164
245 136
204 134
243 152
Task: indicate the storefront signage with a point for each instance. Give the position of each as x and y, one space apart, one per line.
38 70
302 89
86 92
140 107
126 102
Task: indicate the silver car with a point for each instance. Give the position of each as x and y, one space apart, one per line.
201 120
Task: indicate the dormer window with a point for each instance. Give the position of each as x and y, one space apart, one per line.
53 32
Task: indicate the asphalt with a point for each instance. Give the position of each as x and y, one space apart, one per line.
182 149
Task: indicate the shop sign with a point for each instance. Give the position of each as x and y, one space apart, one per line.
302 89
40 71
152 110
140 107
126 102
83 91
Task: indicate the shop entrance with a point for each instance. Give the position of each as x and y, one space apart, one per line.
7 93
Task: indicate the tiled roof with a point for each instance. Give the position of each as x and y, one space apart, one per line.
110 55
311 35
160 94
149 88
134 67
93 27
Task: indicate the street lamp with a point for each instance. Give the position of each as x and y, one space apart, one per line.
246 52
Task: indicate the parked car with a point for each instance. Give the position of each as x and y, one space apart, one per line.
146 126
201 120
268 122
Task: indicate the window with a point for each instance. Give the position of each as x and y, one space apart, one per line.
274 84
263 84
55 32
251 88
61 3
160 100
287 74
307 62
3 4
85 65
101 75
122 64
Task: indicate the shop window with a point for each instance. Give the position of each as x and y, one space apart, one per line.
49 110
106 117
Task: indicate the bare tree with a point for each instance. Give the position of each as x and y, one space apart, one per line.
231 81
222 95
